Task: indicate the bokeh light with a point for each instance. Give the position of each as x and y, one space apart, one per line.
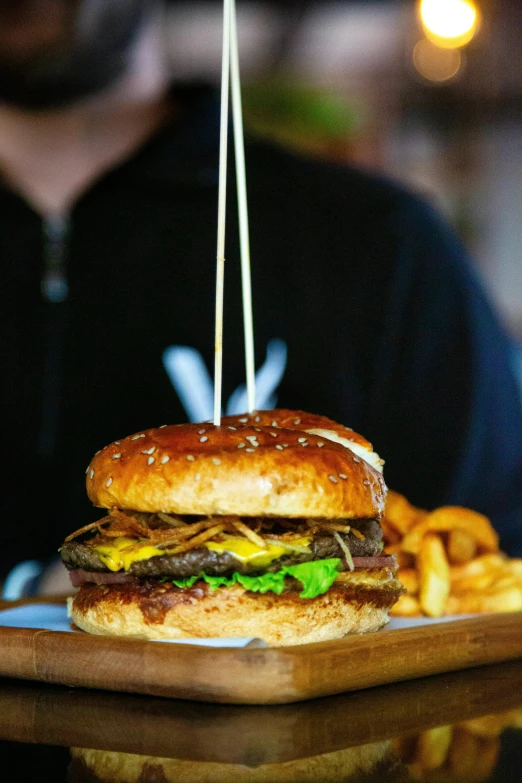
449 23
436 64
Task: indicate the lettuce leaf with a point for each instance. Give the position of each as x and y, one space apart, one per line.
316 578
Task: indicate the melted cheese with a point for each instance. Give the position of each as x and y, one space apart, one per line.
248 552
124 552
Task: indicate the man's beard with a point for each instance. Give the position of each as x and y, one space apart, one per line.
89 58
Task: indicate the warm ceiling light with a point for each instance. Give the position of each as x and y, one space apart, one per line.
449 23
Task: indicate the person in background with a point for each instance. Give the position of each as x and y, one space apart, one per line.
108 209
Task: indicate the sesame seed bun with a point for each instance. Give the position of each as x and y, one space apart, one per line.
357 602
270 463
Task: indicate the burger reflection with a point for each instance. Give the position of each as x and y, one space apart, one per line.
375 762
464 752
461 727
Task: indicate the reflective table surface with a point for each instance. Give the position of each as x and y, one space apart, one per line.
462 726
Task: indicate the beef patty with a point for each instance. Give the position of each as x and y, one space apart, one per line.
77 554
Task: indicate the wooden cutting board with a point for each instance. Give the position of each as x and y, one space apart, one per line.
258 675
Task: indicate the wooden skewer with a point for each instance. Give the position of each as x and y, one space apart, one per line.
244 240
222 189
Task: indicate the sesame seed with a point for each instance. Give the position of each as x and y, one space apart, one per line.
258 418
273 434
333 479
116 456
234 429
149 451
285 445
87 469
274 424
197 476
243 420
151 460
342 475
97 452
367 483
241 445
91 474
190 457
320 444
304 444
164 459
201 432
203 439
162 426
278 446
297 421
216 461
108 482
301 440
258 429
135 437
252 439
356 459
250 450
116 442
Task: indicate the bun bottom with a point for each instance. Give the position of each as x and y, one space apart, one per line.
357 602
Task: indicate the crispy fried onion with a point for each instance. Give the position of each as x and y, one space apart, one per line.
173 532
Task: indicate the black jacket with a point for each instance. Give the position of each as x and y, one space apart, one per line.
387 329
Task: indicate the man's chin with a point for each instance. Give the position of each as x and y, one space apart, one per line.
80 49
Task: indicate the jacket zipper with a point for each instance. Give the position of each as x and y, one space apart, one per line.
55 293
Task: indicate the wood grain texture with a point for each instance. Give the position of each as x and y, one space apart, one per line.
258 676
251 735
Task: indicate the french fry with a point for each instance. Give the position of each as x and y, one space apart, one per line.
404 559
449 561
478 583
433 746
434 576
505 600
487 758
461 546
391 535
463 754
406 606
400 513
447 518
515 718
410 580
487 725
478 566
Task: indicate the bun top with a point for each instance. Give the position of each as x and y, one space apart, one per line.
268 463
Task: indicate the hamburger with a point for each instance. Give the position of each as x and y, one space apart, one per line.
266 526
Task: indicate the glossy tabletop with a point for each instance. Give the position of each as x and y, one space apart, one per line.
462 726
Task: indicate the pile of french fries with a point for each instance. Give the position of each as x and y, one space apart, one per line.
466 751
449 561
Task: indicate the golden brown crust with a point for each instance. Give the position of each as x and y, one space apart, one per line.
296 420
246 469
357 602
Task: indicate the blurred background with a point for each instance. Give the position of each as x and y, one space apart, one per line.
429 91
